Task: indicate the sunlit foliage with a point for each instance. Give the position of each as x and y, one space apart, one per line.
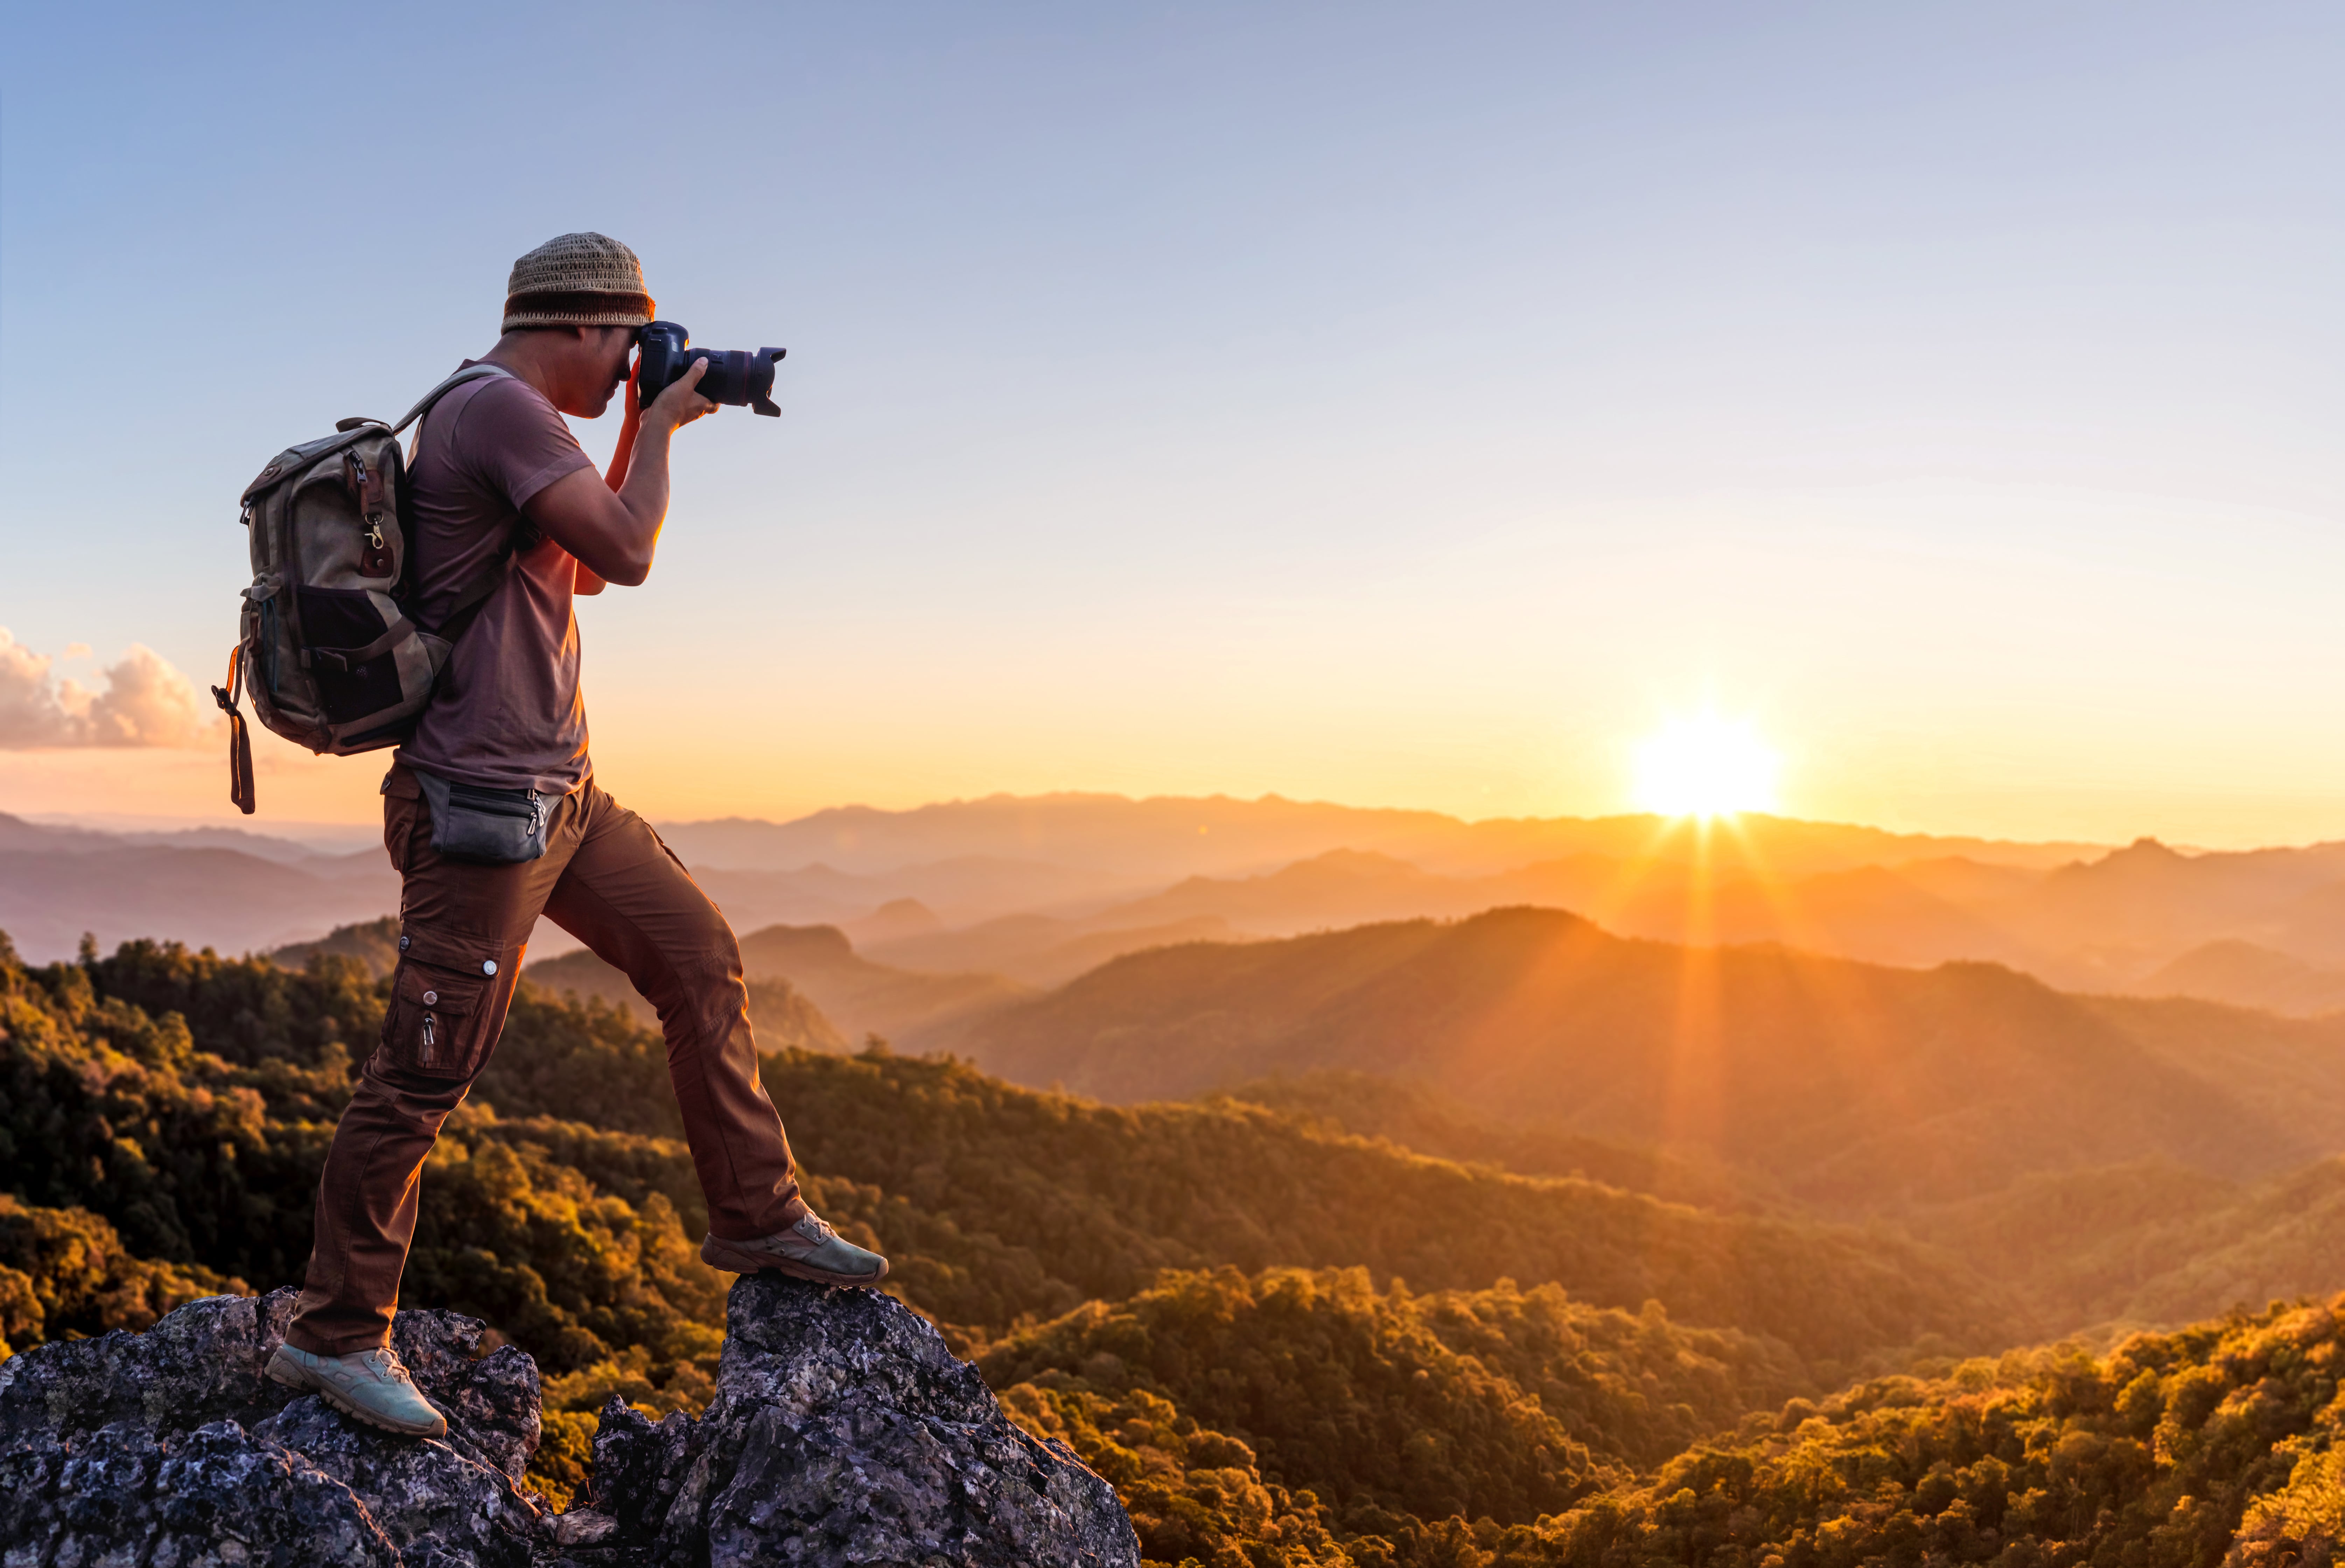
1206 1302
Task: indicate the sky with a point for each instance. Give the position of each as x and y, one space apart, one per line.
1417 405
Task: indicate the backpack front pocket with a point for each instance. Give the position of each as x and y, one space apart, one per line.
350 654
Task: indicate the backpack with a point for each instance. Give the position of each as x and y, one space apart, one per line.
330 642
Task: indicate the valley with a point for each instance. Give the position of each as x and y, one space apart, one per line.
1344 1209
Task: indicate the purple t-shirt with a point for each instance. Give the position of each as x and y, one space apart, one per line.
507 714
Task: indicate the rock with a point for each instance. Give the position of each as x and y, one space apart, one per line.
440 1508
210 1496
171 1447
198 1365
844 1433
638 1466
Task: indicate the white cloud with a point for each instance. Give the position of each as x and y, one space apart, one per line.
144 702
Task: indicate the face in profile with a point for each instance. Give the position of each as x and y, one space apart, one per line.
609 349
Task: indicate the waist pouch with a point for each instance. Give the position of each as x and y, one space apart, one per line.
501 827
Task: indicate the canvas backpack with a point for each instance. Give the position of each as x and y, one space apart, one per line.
329 641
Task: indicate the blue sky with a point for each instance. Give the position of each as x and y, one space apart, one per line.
1394 404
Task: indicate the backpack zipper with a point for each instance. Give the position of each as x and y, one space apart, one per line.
373 519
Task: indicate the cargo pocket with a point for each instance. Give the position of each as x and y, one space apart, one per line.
399 814
439 1018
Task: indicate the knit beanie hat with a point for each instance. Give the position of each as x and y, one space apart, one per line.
577 280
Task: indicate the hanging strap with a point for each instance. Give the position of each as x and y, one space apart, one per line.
239 742
347 659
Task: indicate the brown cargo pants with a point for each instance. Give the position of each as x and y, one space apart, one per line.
606 878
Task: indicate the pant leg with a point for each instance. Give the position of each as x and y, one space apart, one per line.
463 929
628 899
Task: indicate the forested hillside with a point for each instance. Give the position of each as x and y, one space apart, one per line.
2219 1443
1283 1341
169 1109
1418 1115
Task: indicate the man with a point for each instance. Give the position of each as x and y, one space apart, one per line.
496 473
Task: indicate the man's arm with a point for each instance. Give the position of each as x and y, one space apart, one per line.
583 580
613 528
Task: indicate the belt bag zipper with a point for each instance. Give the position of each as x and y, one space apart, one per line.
499 802
470 821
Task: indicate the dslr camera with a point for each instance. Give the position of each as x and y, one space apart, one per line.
735 376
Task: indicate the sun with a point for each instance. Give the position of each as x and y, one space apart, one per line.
1706 766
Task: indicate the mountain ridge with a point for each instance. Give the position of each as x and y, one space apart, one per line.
1533 1012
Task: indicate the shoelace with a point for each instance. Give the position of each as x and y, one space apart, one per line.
822 1231
387 1364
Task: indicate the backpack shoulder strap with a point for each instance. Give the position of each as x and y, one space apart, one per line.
469 373
485 582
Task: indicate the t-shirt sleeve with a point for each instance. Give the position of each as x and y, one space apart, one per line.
512 440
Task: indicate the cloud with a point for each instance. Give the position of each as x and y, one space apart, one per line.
144 702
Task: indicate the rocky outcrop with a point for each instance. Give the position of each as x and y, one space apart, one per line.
170 1448
843 1432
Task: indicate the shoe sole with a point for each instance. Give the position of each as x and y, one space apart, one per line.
718 1253
300 1383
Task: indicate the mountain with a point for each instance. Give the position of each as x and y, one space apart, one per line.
1039 949
1165 838
895 921
782 1017
1855 1086
561 1201
374 943
2120 922
2245 975
971 883
1870 912
2283 1070
853 997
1349 887
967 889
17 834
1419 1117
1278 1340
2153 1243
209 896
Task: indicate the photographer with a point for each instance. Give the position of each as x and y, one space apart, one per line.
499 483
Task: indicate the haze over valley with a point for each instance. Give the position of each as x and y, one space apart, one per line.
1039 889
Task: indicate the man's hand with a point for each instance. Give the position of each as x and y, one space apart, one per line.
679 404
613 526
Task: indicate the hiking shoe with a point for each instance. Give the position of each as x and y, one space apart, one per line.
371 1385
809 1249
